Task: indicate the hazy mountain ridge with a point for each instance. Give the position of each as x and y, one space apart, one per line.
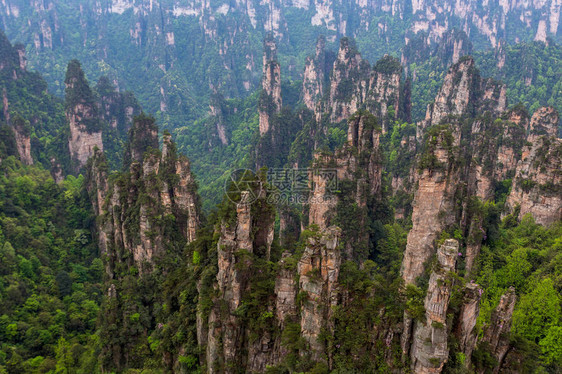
187 51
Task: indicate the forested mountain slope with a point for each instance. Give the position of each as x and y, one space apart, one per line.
183 51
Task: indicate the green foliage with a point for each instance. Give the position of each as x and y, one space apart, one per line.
531 72
388 65
538 311
211 161
437 136
415 298
527 257
50 278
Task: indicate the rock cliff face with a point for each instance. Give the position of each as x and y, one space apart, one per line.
82 116
434 203
497 333
537 181
429 351
467 321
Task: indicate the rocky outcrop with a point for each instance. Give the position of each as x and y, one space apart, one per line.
314 76
318 270
348 82
465 330
243 240
270 98
117 109
448 50
359 161
536 185
23 139
232 283
158 184
464 92
429 351
496 335
82 116
353 85
384 90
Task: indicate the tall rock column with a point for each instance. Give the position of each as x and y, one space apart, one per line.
82 116
465 92
318 271
358 161
384 89
348 83
243 240
433 206
142 222
433 210
467 321
537 183
322 200
314 76
231 284
497 333
157 185
429 350
270 97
